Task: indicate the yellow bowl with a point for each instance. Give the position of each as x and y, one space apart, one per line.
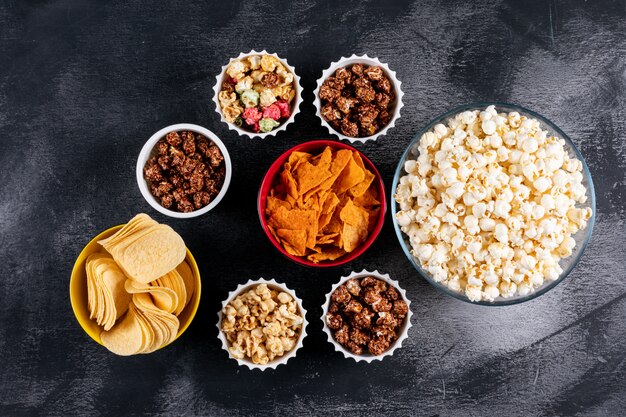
78 289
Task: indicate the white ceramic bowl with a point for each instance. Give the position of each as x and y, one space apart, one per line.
146 152
404 330
272 284
365 60
295 108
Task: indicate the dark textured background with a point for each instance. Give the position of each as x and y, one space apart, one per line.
84 84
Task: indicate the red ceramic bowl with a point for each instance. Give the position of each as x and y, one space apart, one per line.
314 147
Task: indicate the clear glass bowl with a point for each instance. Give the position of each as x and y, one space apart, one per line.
582 237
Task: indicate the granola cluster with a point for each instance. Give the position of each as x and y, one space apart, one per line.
365 315
357 100
186 171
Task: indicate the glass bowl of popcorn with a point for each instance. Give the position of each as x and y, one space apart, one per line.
257 94
262 324
493 204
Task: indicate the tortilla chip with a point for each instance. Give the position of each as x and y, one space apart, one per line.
368 199
360 189
327 211
322 204
296 219
356 220
326 239
326 254
351 175
312 174
273 203
297 239
373 217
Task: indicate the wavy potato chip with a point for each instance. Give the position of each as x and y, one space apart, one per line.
322 206
164 298
190 283
137 288
126 337
106 298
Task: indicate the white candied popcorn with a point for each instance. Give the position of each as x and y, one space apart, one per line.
489 205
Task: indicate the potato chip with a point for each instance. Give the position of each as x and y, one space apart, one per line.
322 206
174 281
190 283
151 255
164 298
126 337
136 289
106 298
160 327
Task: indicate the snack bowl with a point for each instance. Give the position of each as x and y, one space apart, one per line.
274 172
294 106
272 285
404 329
397 103
78 289
582 237
149 149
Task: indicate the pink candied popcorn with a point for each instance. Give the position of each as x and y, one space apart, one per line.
256 128
272 112
252 115
284 108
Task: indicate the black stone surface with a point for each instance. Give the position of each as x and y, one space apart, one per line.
83 84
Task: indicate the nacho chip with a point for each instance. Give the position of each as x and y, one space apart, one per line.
351 175
323 206
327 211
326 239
296 219
356 220
312 174
360 189
326 254
273 203
297 239
368 199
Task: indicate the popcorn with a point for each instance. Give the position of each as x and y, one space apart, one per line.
257 81
250 98
266 124
489 205
261 324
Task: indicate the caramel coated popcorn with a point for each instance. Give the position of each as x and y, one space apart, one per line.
185 172
258 93
357 101
365 315
262 324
